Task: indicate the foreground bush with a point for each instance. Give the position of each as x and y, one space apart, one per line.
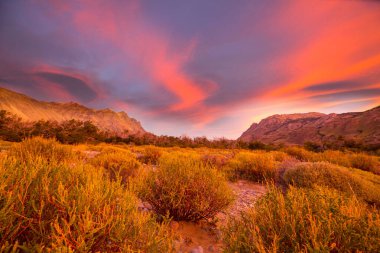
305 220
257 167
184 188
117 165
325 174
45 206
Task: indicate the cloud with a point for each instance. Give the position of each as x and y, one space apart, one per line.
194 67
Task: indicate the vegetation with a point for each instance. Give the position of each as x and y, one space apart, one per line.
185 188
65 205
12 128
305 220
334 177
257 167
85 197
117 165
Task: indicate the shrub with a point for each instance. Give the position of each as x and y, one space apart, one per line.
333 176
151 155
37 147
185 188
117 164
335 157
365 162
257 167
217 160
46 206
279 156
300 153
305 220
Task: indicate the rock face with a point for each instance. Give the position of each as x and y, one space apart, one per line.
30 109
299 128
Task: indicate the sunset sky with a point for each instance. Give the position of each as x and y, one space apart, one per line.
195 67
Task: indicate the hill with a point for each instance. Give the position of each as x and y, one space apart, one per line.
363 127
30 109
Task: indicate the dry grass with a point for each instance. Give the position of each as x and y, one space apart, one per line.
253 166
69 206
332 176
184 188
305 220
117 165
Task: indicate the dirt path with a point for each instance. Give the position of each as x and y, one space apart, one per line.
206 236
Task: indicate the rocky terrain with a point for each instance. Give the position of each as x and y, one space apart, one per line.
30 109
363 127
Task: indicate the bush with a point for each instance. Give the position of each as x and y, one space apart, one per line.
50 205
151 155
325 174
185 188
217 160
117 165
257 167
305 220
300 154
37 147
365 162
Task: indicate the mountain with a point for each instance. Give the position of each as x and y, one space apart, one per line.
316 127
30 109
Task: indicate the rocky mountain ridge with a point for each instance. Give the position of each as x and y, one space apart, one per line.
363 127
30 109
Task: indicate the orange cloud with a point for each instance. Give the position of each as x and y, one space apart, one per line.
346 48
148 47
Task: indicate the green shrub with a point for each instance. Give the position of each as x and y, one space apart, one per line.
333 176
305 220
184 188
46 205
257 167
117 164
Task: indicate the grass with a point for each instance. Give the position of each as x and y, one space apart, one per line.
305 220
308 175
117 165
184 188
347 159
253 166
70 206
83 198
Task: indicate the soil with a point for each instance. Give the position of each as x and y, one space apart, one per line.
205 236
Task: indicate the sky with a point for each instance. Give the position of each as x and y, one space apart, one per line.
195 68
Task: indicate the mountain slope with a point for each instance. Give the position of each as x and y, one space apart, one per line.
317 127
30 109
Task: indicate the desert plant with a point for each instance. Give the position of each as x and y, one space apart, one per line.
301 154
365 162
305 220
49 149
117 164
257 167
46 205
150 155
184 188
333 176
